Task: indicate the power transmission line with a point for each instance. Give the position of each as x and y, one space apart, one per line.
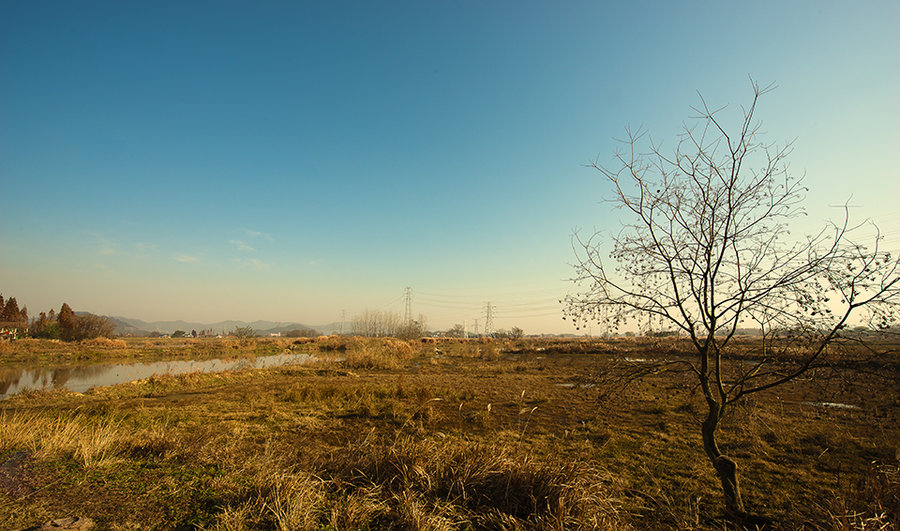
488 318
394 301
407 294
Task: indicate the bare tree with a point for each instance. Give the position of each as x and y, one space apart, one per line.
376 323
414 329
240 332
707 249
89 326
458 330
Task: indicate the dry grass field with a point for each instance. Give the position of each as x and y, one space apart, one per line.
386 434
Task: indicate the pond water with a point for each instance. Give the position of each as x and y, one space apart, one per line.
570 385
80 379
836 405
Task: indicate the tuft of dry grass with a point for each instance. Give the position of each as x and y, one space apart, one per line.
438 483
378 353
92 442
105 342
871 503
367 358
295 501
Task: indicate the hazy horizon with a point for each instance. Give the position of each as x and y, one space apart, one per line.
298 162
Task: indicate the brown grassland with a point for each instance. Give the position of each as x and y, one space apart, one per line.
386 434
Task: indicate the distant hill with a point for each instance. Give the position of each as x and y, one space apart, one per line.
125 327
136 327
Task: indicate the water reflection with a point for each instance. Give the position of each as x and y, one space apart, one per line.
80 379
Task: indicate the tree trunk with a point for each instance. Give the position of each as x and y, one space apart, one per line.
725 468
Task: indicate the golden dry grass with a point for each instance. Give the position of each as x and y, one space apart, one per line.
446 435
88 442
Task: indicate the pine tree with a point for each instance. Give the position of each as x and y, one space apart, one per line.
39 325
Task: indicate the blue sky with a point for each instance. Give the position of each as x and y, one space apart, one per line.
292 160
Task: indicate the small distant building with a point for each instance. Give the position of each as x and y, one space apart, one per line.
10 330
275 334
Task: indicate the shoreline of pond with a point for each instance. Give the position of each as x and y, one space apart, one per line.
81 378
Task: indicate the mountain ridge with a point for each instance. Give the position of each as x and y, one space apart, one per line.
131 326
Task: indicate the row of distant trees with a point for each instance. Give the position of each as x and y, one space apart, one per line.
458 330
390 324
68 326
376 323
65 324
244 332
11 314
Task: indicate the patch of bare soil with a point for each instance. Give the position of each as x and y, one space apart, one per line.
17 476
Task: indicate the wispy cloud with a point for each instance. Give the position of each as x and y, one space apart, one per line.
257 234
241 246
143 247
252 263
106 246
186 258
258 264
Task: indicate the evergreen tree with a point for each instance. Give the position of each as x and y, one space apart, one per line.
10 311
68 323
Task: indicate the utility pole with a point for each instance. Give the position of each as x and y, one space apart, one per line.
476 327
407 294
489 318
